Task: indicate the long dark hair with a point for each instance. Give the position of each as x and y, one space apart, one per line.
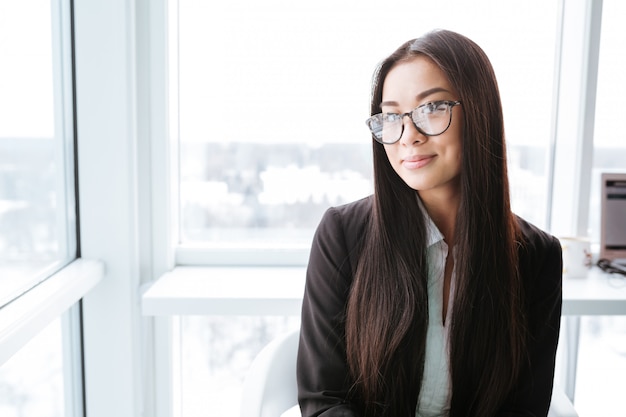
387 311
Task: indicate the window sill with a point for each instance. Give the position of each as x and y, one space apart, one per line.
226 291
243 256
278 291
24 317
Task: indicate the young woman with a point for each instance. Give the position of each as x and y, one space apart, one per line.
430 297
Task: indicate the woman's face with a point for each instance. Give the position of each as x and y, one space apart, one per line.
429 164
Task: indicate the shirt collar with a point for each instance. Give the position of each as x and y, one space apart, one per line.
433 235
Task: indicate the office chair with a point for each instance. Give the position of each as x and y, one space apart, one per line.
270 388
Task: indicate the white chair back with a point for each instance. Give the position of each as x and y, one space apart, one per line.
270 388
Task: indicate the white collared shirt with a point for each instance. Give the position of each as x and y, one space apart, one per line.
434 399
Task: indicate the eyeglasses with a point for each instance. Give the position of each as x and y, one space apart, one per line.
430 119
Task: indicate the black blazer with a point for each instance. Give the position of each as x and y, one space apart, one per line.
322 373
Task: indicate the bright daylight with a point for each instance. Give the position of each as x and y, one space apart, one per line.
312 209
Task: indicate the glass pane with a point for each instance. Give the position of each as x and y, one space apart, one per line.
215 354
36 166
601 366
31 382
273 96
609 154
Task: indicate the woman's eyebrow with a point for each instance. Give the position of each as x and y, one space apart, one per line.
421 96
431 91
389 103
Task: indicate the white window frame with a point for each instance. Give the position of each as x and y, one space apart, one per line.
114 164
58 295
23 318
574 107
26 315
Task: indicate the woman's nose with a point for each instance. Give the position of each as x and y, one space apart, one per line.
410 134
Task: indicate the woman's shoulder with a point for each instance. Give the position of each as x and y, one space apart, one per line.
535 239
540 252
343 228
351 216
362 205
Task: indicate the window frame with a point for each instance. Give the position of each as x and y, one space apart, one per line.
574 99
114 163
58 294
64 180
570 152
24 317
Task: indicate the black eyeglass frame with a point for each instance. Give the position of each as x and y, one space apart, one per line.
449 103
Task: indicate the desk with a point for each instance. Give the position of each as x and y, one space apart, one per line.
279 290
597 294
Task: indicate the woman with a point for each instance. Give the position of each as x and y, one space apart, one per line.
430 297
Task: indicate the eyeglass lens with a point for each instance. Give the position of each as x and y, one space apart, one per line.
430 119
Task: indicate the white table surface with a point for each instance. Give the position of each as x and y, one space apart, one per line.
598 293
279 290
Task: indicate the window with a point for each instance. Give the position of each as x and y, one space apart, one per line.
269 106
272 98
41 280
31 382
602 359
213 357
609 140
37 208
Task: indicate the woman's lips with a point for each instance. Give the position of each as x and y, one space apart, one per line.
417 161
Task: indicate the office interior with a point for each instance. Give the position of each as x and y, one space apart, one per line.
164 163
